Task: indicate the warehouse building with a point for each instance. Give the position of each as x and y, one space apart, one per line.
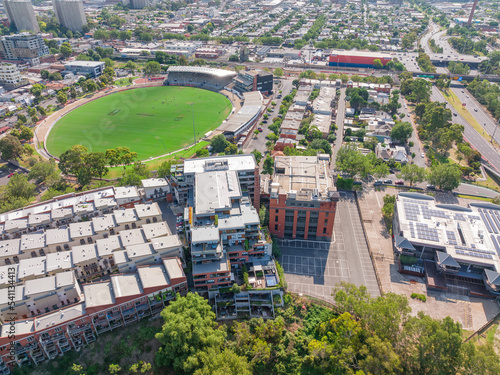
357 59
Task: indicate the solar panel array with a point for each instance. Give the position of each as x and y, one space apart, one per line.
474 249
420 202
459 217
491 220
496 243
411 211
473 254
426 233
430 213
412 230
452 239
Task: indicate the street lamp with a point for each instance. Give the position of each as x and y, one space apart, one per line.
496 127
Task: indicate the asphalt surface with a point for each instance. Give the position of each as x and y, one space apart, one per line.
339 121
470 134
314 268
477 111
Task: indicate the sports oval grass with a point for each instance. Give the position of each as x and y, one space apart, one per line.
150 121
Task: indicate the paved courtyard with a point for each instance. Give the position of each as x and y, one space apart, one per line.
314 267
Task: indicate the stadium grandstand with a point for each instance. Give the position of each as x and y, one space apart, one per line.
197 76
245 118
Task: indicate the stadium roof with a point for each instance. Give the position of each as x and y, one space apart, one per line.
200 69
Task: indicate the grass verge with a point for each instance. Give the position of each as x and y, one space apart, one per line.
116 172
452 98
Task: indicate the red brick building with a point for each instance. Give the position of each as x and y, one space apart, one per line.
303 199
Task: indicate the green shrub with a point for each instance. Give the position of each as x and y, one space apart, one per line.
421 297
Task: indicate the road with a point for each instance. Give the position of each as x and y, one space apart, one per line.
417 148
259 142
470 134
477 111
339 121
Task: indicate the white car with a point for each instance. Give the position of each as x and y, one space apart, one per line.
422 155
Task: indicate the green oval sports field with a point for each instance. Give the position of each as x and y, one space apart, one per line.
150 121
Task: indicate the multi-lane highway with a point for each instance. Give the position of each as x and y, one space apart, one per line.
470 134
477 111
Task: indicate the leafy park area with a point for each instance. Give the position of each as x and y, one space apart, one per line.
358 335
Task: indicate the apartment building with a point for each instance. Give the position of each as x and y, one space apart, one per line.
102 306
9 75
254 80
23 47
93 69
183 176
302 198
21 14
221 222
70 14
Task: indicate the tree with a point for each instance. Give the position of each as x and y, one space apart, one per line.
164 169
132 65
37 90
256 132
71 162
55 76
44 74
152 68
445 177
189 329
95 162
66 50
114 369
377 64
43 171
219 143
10 147
235 288
202 153
62 98
258 155
349 160
381 170
413 173
19 187
227 362
268 166
108 63
401 132
72 92
278 72
26 133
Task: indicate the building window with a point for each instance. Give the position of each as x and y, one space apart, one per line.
324 230
57 329
276 227
276 218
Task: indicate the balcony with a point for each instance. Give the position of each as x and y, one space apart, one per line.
89 336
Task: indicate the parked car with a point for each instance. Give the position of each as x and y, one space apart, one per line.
475 109
378 182
260 129
387 182
455 114
431 187
399 182
264 122
11 174
422 155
